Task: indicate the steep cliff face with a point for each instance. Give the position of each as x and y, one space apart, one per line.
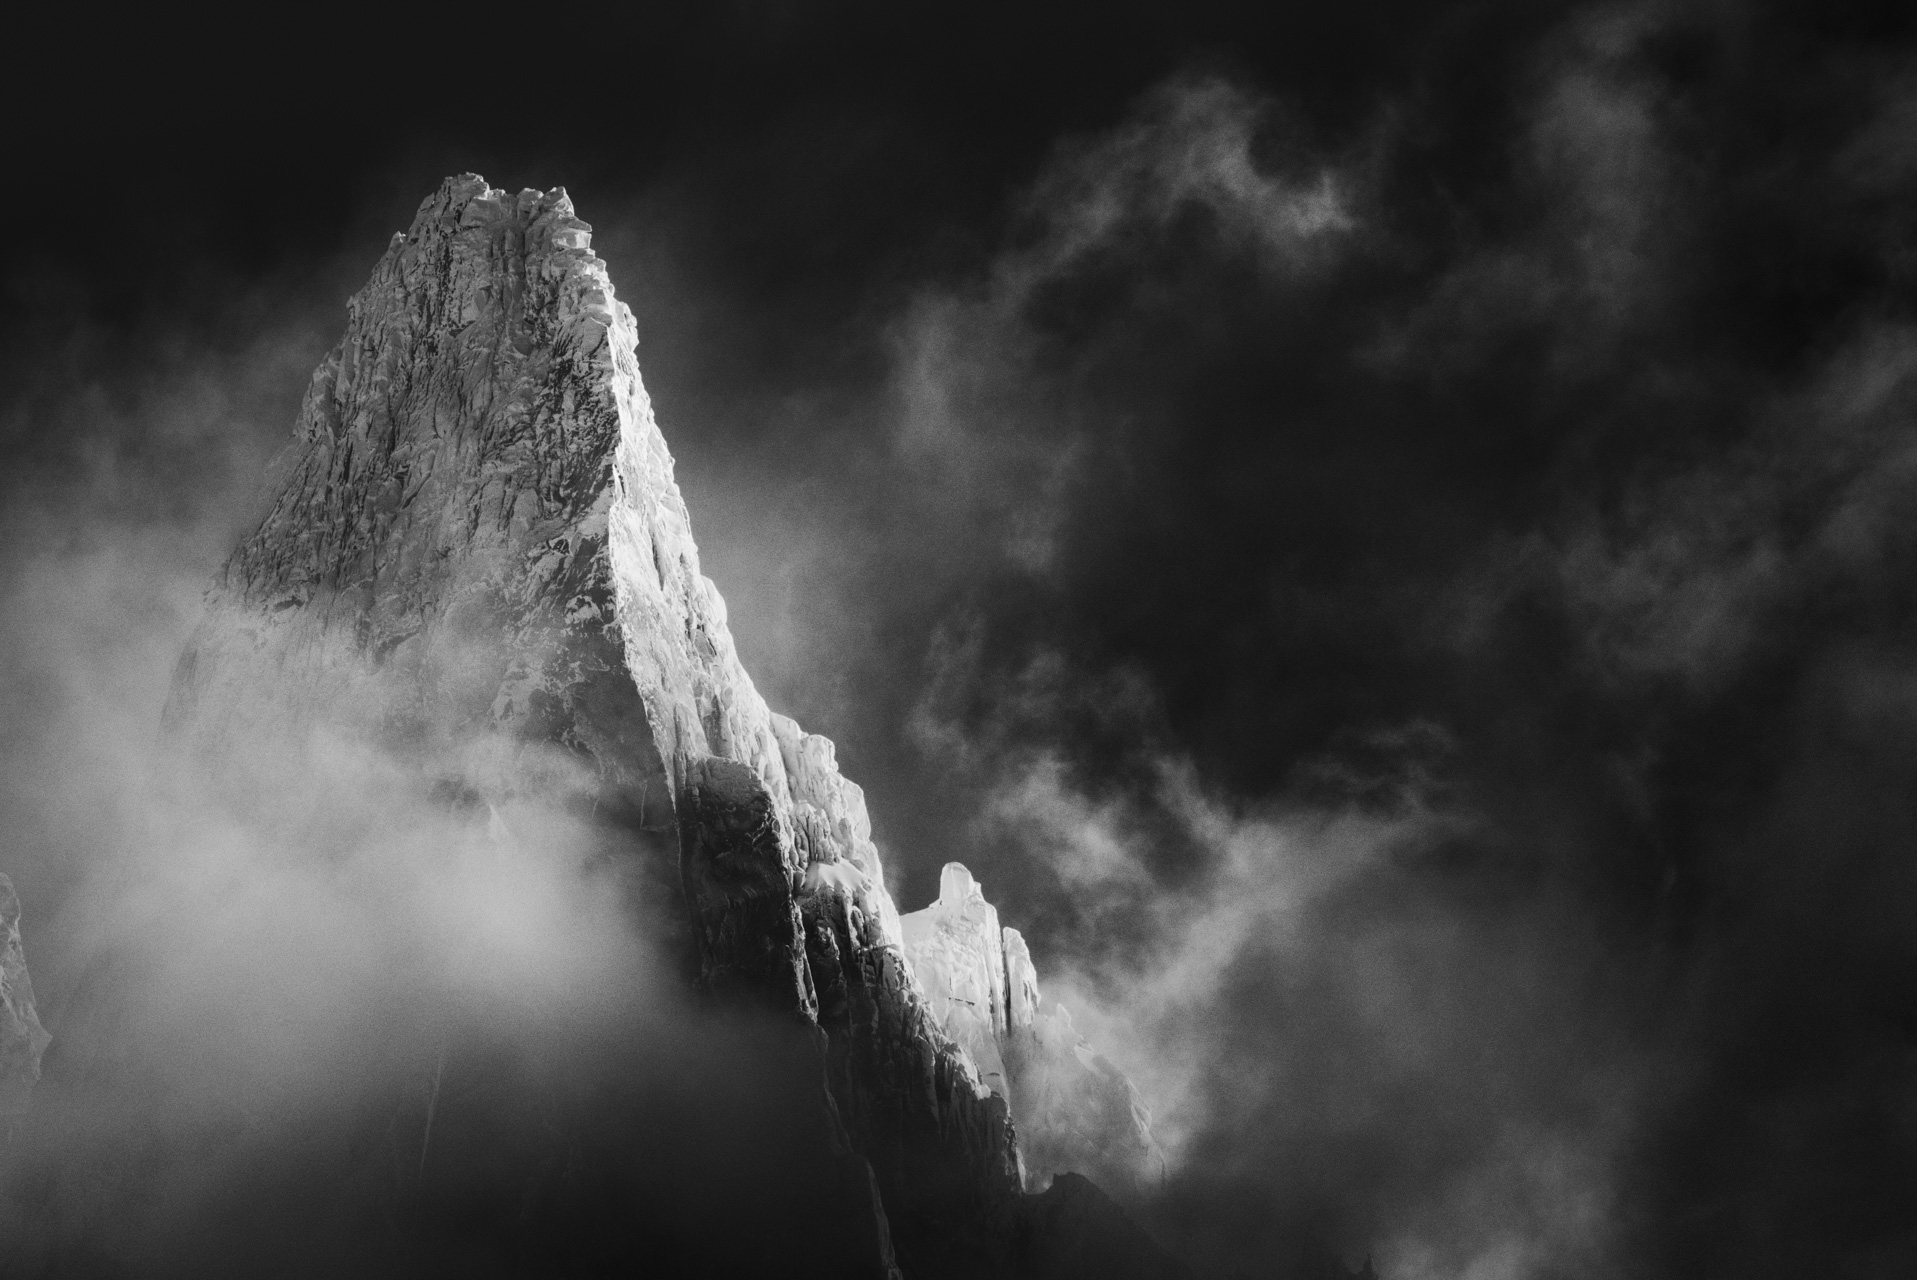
479 557
436 561
22 1038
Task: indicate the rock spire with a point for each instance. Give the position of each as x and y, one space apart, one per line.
1075 1111
479 555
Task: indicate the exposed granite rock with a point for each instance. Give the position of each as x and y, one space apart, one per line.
941 1143
22 1038
479 556
1021 981
739 870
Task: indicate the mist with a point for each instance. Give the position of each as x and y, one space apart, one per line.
313 1012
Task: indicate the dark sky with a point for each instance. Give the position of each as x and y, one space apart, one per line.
1385 534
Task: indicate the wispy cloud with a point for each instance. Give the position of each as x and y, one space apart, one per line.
987 419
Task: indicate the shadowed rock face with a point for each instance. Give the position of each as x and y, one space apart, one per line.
478 557
739 869
22 1038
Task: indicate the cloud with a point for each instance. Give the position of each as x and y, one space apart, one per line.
311 1012
1193 143
989 419
1356 618
1313 1005
224 959
1583 247
1688 574
1411 630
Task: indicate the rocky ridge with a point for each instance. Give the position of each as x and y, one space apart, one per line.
479 555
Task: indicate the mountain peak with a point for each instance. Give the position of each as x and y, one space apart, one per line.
480 558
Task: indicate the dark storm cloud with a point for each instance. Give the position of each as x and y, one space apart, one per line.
982 421
1400 591
1452 1017
1183 924
1595 216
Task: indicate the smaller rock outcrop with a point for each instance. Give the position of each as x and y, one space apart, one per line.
22 1038
958 952
1075 1111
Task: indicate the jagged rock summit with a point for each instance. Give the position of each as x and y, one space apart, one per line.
479 556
